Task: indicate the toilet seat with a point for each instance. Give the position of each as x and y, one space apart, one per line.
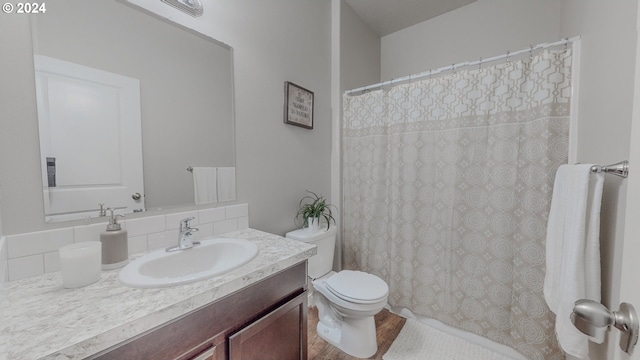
357 287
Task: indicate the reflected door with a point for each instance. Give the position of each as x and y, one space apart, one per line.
90 139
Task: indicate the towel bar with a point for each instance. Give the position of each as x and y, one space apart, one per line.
620 169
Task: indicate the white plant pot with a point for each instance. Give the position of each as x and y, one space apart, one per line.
313 223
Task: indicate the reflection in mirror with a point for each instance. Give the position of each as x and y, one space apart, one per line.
126 103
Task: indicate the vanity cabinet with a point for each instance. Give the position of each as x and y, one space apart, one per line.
266 320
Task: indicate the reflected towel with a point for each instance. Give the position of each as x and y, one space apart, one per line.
573 251
226 183
205 185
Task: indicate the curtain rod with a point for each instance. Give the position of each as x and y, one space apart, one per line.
463 64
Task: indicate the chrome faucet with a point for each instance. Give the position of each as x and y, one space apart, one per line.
184 237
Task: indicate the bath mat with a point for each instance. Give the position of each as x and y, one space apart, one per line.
417 341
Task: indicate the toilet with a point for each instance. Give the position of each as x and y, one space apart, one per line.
346 301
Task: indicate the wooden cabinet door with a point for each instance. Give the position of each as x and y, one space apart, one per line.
279 335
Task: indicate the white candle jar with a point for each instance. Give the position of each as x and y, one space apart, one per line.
80 263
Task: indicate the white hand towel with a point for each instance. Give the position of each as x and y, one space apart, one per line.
573 251
205 185
226 183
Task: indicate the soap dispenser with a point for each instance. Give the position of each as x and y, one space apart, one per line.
115 248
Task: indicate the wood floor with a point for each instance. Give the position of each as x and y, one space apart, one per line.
388 327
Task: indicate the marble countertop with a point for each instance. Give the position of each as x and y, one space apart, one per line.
39 319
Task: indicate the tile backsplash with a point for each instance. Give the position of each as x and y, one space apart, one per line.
32 254
3 260
3 256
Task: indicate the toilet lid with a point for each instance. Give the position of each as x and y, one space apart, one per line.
357 286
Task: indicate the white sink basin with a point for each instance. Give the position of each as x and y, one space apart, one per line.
211 258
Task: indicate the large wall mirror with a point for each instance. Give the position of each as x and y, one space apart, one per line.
127 103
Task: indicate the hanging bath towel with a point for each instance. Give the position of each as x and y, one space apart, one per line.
205 185
573 251
226 183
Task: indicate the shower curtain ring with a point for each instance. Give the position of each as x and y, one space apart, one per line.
508 57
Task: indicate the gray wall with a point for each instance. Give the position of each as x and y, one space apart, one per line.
274 42
356 63
359 51
22 209
484 28
607 68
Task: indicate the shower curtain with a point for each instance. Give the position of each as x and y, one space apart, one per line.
447 186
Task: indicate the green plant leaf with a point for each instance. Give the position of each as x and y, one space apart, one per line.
315 206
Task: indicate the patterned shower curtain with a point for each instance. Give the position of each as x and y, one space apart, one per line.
447 188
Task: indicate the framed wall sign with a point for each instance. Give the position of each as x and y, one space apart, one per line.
298 106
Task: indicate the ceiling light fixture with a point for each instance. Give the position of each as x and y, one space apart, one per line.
191 7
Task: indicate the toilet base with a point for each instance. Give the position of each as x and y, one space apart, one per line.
356 337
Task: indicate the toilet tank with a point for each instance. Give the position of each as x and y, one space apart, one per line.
325 241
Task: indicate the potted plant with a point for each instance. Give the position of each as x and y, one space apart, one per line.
313 208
